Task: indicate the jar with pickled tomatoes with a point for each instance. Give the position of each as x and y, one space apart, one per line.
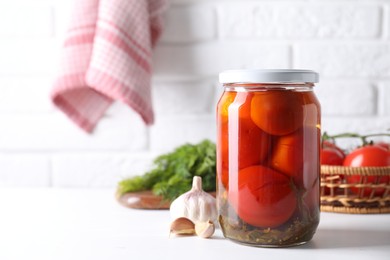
268 163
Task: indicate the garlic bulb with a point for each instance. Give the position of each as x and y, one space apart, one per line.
196 204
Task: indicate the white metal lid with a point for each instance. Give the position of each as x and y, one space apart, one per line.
268 76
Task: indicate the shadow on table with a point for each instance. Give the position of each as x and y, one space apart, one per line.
339 238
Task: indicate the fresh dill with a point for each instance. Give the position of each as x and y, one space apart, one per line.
172 173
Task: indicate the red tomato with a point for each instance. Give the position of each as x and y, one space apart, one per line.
277 112
223 105
222 117
287 155
331 156
263 197
297 155
384 145
243 143
328 144
370 155
222 141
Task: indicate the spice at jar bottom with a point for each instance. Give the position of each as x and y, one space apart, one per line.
268 164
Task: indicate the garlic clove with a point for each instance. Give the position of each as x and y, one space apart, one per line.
205 229
182 226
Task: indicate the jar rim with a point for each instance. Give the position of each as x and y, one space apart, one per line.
268 76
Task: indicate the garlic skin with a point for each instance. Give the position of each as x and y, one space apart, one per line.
182 226
196 204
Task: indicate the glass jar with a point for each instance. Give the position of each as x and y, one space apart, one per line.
268 164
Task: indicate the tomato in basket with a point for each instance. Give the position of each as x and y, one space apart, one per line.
331 154
384 145
369 155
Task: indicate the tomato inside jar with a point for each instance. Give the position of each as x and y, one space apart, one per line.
268 157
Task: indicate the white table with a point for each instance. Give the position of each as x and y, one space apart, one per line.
90 224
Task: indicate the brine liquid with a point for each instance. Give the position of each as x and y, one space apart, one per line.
268 165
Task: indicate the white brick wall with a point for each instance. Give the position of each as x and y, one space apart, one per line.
347 41
299 20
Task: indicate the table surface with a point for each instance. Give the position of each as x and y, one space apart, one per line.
90 224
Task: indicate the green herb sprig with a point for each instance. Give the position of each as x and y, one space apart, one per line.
172 173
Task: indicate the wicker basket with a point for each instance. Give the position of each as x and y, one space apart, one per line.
355 190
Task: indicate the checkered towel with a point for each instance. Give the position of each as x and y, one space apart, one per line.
107 56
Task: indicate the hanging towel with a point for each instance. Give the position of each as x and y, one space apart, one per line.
107 56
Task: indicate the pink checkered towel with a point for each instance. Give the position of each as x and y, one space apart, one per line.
107 56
